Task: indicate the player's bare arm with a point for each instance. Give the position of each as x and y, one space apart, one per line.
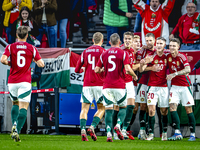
130 72
97 69
4 60
40 63
136 67
185 71
155 68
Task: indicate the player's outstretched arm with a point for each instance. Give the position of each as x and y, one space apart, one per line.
4 60
184 71
40 63
130 71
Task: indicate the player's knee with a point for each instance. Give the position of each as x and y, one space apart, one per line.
188 110
151 112
164 112
143 107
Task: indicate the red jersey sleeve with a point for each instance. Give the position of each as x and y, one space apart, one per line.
140 6
167 7
126 58
100 62
7 51
184 59
79 64
36 54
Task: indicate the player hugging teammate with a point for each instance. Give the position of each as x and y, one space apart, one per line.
122 89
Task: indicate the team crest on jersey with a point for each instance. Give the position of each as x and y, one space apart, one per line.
177 63
139 57
149 101
170 59
156 61
142 99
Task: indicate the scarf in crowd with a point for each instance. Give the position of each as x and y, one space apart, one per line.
30 37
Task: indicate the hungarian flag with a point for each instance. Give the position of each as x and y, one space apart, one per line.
56 71
76 79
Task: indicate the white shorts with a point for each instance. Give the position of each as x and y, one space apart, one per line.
20 91
181 94
158 95
130 90
89 93
114 96
141 93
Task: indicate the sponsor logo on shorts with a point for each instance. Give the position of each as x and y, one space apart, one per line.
188 102
142 99
170 59
149 101
156 61
169 100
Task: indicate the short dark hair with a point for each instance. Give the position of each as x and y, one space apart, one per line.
150 35
22 31
175 40
97 37
129 33
161 38
114 38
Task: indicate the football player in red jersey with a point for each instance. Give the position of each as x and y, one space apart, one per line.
180 91
142 84
157 87
114 60
19 81
92 86
136 47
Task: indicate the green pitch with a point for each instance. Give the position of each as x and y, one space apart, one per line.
65 142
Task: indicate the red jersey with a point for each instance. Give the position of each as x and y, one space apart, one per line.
158 78
144 77
188 28
89 59
113 61
21 55
132 60
177 64
154 21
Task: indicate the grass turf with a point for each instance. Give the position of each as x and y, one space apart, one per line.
74 142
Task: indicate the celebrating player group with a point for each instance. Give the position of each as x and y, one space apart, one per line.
127 76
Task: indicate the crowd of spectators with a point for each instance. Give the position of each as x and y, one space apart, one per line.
177 18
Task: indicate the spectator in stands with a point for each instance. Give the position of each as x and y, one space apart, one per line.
44 11
62 16
35 76
81 7
116 14
138 20
12 8
184 9
25 19
188 28
155 18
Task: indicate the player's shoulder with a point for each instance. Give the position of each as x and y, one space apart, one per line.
182 56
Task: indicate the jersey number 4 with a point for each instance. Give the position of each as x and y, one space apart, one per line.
21 61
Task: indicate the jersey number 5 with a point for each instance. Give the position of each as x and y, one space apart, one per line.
111 62
21 61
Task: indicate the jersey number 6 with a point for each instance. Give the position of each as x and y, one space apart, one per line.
21 61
